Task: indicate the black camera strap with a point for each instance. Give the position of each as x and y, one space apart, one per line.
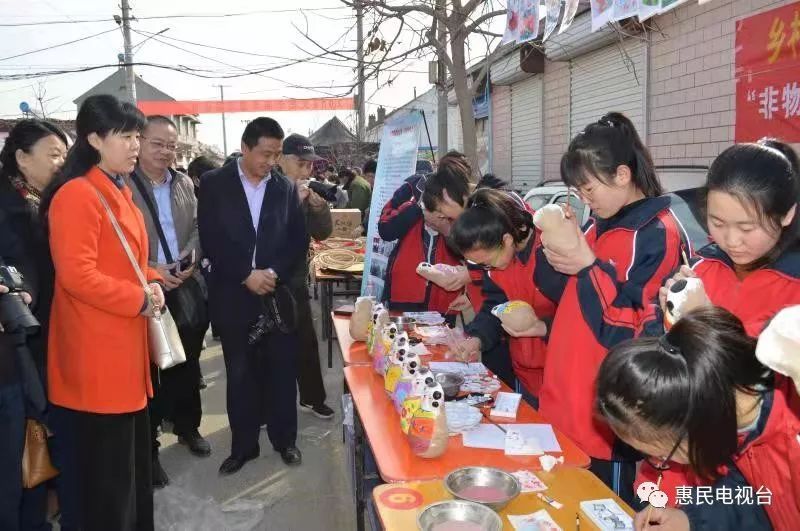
153 214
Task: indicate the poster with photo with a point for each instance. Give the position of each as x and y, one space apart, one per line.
511 32
648 8
570 10
602 10
529 14
397 161
553 8
625 9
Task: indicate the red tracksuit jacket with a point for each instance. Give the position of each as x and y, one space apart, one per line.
515 283
401 220
768 458
757 298
601 306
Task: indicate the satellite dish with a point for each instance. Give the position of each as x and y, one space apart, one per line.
24 107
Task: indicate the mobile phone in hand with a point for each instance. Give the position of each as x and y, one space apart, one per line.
185 263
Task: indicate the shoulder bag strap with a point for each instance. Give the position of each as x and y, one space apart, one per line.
124 242
154 215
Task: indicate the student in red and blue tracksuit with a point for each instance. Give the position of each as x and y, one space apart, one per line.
419 216
496 232
606 286
698 396
752 268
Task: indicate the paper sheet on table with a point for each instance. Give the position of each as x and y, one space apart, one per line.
455 366
491 437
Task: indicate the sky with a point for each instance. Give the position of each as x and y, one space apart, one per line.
268 37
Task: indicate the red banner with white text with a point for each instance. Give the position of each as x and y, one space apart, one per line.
768 75
216 106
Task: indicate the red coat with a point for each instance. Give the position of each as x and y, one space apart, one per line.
757 298
516 282
401 220
770 458
601 306
97 356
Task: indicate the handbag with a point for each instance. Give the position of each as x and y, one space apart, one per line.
36 465
164 342
187 302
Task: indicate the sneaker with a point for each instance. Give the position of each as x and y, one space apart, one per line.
322 411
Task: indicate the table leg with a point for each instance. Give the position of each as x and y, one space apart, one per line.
323 302
361 503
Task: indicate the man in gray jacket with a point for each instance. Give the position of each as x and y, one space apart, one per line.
297 163
169 207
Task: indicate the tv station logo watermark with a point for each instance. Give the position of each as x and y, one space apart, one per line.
740 495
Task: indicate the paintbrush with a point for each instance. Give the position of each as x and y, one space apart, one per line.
650 508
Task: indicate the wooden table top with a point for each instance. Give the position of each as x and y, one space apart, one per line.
395 460
399 504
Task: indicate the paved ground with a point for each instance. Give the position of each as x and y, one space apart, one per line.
265 494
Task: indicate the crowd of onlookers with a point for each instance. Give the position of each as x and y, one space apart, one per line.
76 217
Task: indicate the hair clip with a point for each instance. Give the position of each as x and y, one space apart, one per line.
665 344
607 122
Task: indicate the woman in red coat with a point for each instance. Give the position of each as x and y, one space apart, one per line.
98 364
699 397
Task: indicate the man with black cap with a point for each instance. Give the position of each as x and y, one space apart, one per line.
297 161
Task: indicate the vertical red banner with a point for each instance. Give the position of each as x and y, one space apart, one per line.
768 75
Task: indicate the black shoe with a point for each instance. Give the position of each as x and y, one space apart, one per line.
291 455
322 411
201 384
196 443
160 478
234 463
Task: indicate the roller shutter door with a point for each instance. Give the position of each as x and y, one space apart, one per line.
526 133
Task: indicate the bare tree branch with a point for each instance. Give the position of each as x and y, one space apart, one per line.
483 18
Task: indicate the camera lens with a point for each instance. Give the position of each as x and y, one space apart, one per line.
15 316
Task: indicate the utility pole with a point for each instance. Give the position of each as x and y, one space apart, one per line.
224 132
441 111
360 132
130 77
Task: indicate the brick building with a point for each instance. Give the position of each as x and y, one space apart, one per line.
676 83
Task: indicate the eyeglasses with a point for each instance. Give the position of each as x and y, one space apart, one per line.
490 264
663 464
161 146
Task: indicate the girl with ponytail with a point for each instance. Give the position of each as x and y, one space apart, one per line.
698 398
496 233
606 284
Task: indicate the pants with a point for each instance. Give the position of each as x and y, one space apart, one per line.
261 386
309 373
105 466
176 391
20 509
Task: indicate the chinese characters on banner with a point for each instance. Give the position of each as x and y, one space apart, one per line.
397 161
768 75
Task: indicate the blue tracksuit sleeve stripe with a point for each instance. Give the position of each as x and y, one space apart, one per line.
486 326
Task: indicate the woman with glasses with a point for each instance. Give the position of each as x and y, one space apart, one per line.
496 233
698 397
606 283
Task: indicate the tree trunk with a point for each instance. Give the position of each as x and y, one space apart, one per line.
464 98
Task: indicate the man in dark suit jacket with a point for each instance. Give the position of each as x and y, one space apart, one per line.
253 233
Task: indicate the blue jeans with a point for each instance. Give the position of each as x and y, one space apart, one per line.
20 509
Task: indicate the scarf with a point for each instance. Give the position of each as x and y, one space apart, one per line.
28 192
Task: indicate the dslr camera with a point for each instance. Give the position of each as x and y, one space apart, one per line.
15 316
324 190
278 312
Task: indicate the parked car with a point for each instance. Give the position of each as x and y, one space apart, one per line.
683 184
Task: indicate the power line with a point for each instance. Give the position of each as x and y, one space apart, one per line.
176 16
261 73
57 45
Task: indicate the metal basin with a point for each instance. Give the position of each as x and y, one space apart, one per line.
488 486
406 324
459 514
451 383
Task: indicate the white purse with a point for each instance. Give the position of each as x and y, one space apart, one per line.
164 342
